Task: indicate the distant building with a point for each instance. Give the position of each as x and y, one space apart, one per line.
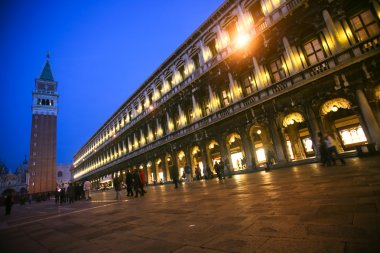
63 174
42 157
14 182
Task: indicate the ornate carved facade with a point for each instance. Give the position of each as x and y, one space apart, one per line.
257 79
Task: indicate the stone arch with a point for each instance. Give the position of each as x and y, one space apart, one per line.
261 144
213 152
235 150
297 135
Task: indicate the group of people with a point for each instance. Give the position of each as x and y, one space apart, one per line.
328 151
134 182
67 193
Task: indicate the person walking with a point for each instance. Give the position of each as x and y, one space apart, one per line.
70 193
142 180
137 183
8 204
117 186
174 175
87 189
188 173
322 147
129 183
332 151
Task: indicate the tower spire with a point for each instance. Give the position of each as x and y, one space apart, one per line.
46 73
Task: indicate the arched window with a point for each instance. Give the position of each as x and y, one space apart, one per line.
52 102
39 101
43 102
60 174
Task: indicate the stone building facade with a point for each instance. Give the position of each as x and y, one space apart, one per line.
258 79
42 157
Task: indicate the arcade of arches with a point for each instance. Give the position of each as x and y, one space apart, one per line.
287 138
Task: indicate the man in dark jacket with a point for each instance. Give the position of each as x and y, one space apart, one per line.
129 183
174 175
137 183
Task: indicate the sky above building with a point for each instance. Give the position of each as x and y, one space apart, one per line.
100 53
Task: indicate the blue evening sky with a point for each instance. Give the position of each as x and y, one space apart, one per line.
100 52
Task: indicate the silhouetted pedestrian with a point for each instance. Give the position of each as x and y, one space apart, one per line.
174 175
129 183
137 183
8 204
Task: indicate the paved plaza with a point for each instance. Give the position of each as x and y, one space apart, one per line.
306 208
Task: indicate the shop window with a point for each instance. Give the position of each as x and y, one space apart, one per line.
278 71
314 51
365 25
353 135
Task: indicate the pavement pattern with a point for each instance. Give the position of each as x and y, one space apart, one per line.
306 208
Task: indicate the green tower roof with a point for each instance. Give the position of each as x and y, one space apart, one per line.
46 73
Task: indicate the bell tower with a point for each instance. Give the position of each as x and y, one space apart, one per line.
43 139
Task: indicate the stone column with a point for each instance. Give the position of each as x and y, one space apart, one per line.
248 149
165 169
369 118
314 129
224 152
204 156
278 144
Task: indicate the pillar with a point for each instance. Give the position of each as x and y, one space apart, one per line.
295 142
369 118
314 129
278 144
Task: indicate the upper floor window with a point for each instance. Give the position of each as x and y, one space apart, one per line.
225 97
365 25
181 71
314 51
212 46
232 29
196 61
256 11
278 71
246 84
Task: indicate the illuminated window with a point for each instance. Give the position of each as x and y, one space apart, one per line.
260 153
278 71
365 25
314 51
226 99
246 84
308 144
353 135
290 150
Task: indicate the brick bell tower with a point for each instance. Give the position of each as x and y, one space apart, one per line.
43 139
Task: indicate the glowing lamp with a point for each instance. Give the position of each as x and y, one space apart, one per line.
242 40
334 108
258 132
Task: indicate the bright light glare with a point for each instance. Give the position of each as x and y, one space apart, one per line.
242 40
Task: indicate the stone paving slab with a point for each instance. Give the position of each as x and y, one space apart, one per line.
305 208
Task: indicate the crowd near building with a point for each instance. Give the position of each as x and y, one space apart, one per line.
253 85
